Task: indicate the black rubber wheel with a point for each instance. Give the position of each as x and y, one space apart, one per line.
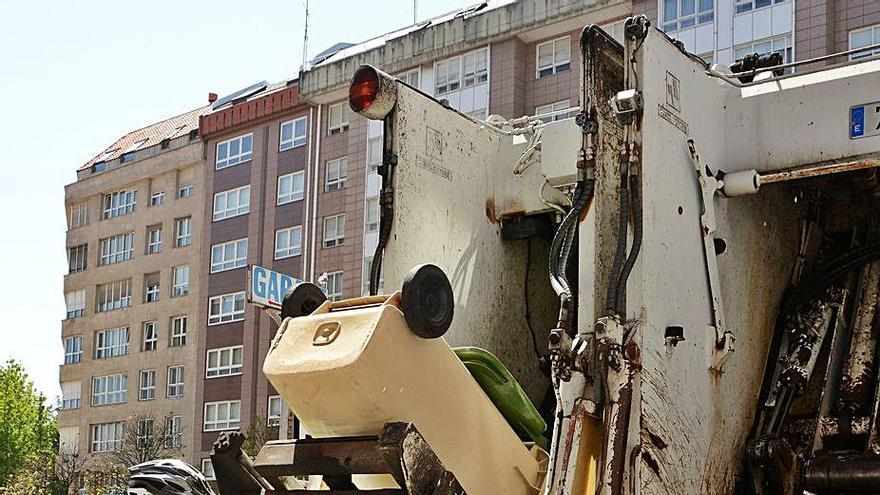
302 300
427 301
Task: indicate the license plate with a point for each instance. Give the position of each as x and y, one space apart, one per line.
864 120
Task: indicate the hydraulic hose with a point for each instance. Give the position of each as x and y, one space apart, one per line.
559 285
577 207
636 243
820 279
386 208
623 219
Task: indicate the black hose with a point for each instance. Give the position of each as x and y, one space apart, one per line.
623 219
556 245
566 254
636 243
386 206
818 280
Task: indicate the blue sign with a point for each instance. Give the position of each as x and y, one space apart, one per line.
856 122
267 288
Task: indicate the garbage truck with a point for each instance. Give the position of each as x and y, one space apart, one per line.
675 291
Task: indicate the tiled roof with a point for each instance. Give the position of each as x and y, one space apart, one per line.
151 135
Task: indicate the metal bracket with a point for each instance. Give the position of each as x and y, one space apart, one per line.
709 186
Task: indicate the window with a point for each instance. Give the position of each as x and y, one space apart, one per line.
183 232
73 350
226 308
553 111
447 76
273 410
479 114
76 258
224 415
150 336
410 77
185 191
337 170
224 362
208 469
374 153
119 203
861 38
229 255
114 295
780 44
111 343
372 219
474 68
110 389
157 198
154 239
151 287
147 385
365 272
178 331
144 432
107 437
116 249
293 134
681 14
334 230
232 203
70 395
338 121
175 381
76 303
180 280
79 215
234 151
747 5
290 187
334 286
173 432
288 242
553 57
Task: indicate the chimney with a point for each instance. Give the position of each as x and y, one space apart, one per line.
212 97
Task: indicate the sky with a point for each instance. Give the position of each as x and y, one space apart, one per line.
76 75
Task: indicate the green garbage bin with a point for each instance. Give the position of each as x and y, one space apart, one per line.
505 392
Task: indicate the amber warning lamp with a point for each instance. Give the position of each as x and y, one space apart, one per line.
372 93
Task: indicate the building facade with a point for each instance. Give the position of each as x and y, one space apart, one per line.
130 333
256 207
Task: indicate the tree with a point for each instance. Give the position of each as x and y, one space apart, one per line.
27 425
147 438
258 433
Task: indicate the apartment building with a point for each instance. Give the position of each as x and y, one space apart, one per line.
256 207
129 334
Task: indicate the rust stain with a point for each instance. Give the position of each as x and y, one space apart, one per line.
490 210
633 354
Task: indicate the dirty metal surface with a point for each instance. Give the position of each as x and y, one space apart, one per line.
324 456
413 464
453 187
819 170
694 421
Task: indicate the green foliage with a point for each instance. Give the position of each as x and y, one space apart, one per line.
27 426
257 434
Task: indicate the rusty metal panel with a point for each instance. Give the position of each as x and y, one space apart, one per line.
693 420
